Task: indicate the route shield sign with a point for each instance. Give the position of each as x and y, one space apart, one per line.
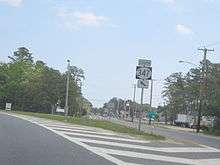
143 72
143 84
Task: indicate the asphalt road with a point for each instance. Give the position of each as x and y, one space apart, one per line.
30 140
178 135
23 143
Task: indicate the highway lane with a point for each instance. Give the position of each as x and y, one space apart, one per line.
178 135
22 142
120 149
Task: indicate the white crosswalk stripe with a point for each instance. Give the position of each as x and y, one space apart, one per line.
160 157
159 149
111 145
79 130
103 137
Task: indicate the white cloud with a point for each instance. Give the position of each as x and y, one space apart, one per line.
168 1
77 19
15 3
209 1
180 28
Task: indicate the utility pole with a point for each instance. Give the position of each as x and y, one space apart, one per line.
118 112
165 113
80 100
202 91
67 89
141 109
134 107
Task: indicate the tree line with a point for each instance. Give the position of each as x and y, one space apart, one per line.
116 106
33 86
182 92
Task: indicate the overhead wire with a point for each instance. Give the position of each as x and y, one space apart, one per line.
213 44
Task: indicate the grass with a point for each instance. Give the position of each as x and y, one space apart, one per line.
212 131
107 125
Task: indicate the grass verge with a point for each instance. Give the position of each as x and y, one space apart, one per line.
212 131
107 125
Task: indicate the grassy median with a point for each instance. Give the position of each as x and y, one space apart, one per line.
107 125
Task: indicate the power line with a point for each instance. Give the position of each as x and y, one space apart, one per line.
213 44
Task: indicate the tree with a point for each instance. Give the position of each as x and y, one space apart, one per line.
182 91
33 86
77 74
21 55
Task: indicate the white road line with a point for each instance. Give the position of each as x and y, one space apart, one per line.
82 131
55 124
68 127
98 152
205 146
160 157
207 161
105 137
105 152
161 149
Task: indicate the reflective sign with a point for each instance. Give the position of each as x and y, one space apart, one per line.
143 84
143 72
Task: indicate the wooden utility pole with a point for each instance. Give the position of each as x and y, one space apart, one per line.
202 91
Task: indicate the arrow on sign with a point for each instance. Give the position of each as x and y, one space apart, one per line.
143 84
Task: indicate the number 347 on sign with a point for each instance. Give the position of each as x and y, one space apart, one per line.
143 72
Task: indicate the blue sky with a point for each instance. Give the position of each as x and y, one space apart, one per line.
107 37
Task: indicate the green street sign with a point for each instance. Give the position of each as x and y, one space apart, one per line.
151 115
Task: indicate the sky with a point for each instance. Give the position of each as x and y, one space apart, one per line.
107 37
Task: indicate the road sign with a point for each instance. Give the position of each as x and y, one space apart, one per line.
59 109
8 106
143 62
143 72
151 115
143 84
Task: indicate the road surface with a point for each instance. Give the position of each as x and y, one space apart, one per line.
178 135
25 143
35 141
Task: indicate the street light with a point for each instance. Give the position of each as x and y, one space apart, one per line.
188 63
200 95
67 88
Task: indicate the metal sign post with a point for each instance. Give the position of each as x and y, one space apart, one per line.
143 74
151 95
141 110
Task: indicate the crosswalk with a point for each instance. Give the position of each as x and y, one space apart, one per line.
125 150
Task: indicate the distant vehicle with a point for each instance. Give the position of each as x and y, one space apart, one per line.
207 121
185 120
